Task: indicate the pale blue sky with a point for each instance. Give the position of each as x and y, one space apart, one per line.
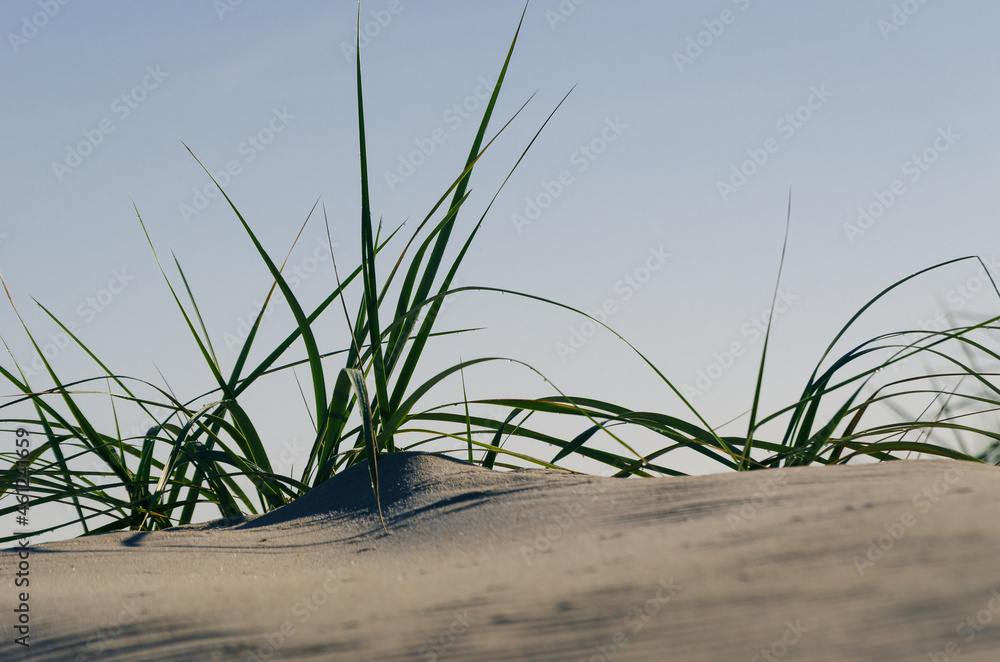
668 131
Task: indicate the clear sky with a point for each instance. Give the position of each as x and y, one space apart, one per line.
657 193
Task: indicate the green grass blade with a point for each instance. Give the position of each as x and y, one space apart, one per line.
368 429
252 334
304 328
468 421
721 443
491 455
751 428
437 254
368 263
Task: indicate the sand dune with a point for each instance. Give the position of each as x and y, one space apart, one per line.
896 561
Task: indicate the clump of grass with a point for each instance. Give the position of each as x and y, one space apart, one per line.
209 452
206 450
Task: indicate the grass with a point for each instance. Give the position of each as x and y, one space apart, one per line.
205 450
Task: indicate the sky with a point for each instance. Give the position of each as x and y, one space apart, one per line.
657 194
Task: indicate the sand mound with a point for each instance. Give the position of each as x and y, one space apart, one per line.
890 561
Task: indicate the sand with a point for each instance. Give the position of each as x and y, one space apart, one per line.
895 561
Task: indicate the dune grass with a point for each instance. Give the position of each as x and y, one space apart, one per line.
206 449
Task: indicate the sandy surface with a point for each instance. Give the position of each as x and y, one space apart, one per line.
897 561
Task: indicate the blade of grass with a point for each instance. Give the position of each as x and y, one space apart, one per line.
751 427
